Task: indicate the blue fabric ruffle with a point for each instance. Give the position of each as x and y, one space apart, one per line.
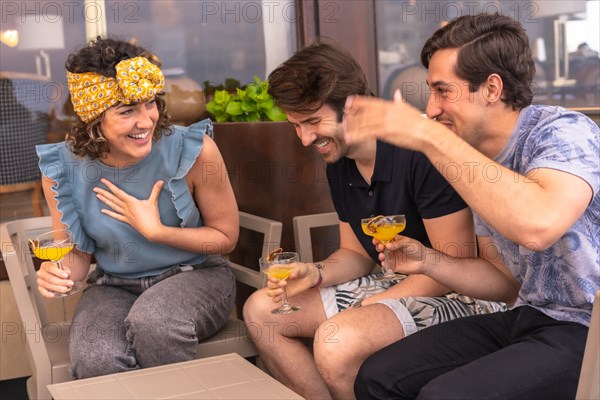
193 140
55 167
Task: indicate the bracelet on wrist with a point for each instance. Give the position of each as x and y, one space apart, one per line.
320 280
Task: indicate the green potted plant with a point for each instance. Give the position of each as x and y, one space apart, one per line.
271 173
250 103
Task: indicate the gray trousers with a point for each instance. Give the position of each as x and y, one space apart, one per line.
125 324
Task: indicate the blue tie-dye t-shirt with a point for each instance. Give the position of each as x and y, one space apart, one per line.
562 280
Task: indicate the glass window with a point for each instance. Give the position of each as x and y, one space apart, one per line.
209 40
563 34
36 37
44 34
202 42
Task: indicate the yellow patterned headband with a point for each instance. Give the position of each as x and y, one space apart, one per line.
138 80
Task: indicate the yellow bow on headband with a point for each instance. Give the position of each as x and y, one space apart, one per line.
138 80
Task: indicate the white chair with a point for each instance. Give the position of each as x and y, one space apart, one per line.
47 341
327 243
589 379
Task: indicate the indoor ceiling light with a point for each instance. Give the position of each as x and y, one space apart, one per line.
9 38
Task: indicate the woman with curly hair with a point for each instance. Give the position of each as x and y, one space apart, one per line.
136 192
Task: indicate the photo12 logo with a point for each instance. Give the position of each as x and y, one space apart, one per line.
442 11
68 11
266 11
248 11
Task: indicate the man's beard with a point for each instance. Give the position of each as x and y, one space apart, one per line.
341 149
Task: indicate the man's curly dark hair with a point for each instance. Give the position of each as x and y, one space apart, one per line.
102 56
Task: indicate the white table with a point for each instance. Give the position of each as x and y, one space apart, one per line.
222 377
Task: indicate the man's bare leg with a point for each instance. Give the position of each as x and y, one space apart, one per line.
278 339
344 341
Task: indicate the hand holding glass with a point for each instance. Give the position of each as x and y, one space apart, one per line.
279 266
384 228
54 246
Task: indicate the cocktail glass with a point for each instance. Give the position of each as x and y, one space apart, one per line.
279 265
54 246
385 228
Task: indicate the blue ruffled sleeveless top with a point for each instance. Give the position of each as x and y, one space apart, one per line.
119 249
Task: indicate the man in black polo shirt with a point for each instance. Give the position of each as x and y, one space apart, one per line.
369 179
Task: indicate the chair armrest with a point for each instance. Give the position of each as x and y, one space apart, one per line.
269 228
248 276
271 231
302 235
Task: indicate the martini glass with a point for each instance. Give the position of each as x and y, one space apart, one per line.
384 228
54 246
279 265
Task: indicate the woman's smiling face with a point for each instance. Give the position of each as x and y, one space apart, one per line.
128 129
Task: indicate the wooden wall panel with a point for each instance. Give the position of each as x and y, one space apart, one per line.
351 23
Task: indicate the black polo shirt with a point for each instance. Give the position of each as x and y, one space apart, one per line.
403 182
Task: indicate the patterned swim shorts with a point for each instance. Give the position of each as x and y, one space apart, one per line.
414 313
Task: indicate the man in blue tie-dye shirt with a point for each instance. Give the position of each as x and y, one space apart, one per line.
531 174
